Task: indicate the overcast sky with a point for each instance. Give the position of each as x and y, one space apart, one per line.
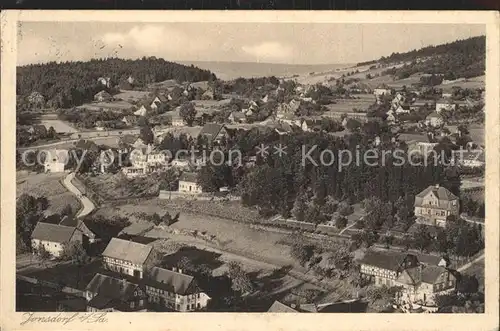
290 43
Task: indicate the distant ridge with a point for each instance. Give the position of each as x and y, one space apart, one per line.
232 70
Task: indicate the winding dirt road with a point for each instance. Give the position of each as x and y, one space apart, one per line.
88 206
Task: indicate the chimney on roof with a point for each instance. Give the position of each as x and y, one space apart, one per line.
174 269
437 186
179 271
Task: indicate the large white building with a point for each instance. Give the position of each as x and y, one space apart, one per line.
188 183
174 290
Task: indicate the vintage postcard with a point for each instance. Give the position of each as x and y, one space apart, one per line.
179 170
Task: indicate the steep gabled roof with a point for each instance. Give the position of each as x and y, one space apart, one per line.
171 281
189 177
389 260
111 292
431 273
52 232
127 250
278 307
211 129
442 193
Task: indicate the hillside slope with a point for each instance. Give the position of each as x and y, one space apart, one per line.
71 84
458 59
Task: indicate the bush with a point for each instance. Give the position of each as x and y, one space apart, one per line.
345 209
341 223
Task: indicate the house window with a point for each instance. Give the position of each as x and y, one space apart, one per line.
198 305
177 307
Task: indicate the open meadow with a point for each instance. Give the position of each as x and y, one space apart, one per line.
49 186
253 242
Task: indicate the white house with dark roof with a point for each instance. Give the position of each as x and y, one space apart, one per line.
174 290
105 293
56 160
188 183
434 204
53 237
126 257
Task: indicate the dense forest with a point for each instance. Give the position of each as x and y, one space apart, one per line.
69 84
461 58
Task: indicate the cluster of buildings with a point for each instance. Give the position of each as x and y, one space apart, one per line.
129 280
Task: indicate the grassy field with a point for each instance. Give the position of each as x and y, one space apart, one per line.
115 186
131 95
347 105
49 186
471 83
476 132
258 243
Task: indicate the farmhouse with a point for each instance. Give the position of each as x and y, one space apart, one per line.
384 267
53 237
419 282
188 183
110 294
434 204
174 290
126 257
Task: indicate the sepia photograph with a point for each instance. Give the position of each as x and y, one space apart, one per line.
250 167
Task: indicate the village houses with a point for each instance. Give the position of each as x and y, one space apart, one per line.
53 237
419 283
434 119
434 204
126 257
